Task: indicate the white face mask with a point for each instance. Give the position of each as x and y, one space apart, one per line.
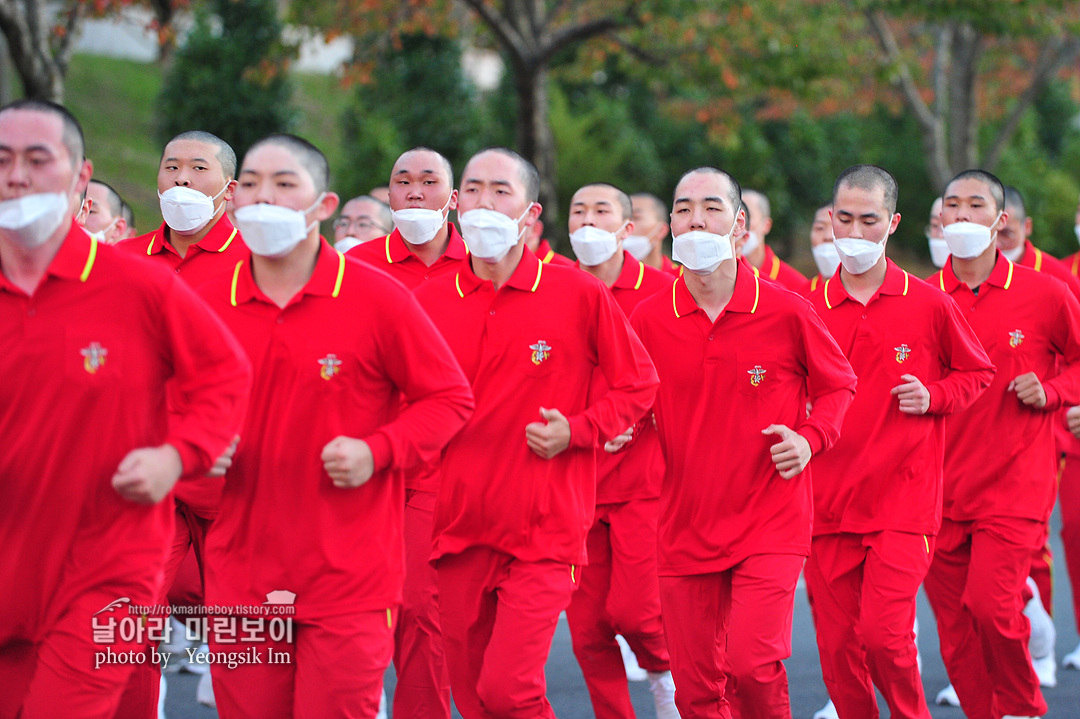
1014 254
418 225
858 255
751 244
100 234
1076 229
273 230
490 234
968 239
594 246
939 251
187 210
347 243
702 252
30 220
638 246
826 258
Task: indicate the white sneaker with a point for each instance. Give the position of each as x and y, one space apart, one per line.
162 688
196 667
1043 635
662 687
827 712
1046 670
175 647
382 706
634 672
204 693
918 654
1072 659
947 697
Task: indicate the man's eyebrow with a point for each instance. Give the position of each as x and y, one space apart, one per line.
475 180
194 159
31 148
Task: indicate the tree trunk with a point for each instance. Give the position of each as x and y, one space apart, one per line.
535 140
24 25
963 110
165 14
5 72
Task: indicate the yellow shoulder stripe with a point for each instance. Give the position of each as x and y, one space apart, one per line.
235 279
826 293
539 271
905 283
640 274
757 294
340 274
89 260
674 304
457 284
228 241
775 269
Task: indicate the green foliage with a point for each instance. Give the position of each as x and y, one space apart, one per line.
116 100
1049 184
418 96
229 78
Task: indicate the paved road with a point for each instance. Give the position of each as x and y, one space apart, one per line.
567 693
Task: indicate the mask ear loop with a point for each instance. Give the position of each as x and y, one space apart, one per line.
315 204
519 219
214 198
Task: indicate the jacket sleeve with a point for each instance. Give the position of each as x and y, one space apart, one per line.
830 383
438 399
630 375
211 379
969 370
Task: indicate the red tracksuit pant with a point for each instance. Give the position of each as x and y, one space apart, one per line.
619 594
1069 505
333 669
728 634
864 588
423 684
498 619
975 587
140 697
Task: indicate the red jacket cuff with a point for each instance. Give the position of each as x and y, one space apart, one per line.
933 390
1053 399
582 435
190 459
381 452
813 437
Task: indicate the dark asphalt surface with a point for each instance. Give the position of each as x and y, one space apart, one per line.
567 693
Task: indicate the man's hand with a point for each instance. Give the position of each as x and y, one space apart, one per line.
1072 417
223 463
549 437
791 453
620 441
1029 390
348 461
147 475
914 397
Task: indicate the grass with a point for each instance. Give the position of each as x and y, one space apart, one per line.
117 103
